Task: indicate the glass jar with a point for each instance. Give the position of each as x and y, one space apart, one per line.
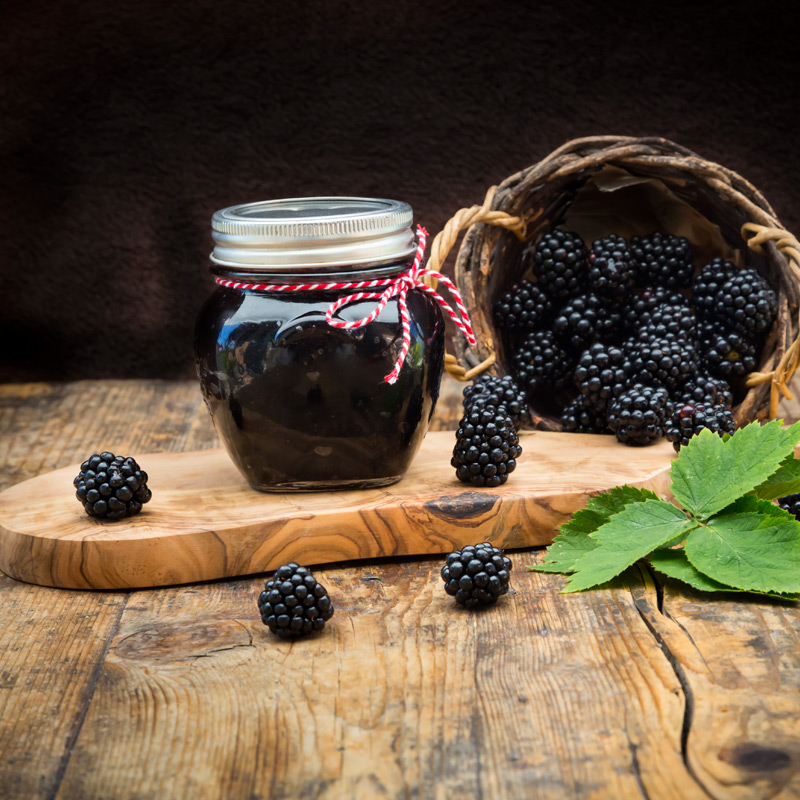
299 404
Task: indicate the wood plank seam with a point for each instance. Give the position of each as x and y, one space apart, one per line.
92 686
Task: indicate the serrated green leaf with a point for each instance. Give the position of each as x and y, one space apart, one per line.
753 550
674 564
785 481
573 540
710 474
628 536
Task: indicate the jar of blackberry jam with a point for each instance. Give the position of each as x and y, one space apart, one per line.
300 402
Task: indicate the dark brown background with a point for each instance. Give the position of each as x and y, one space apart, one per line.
124 126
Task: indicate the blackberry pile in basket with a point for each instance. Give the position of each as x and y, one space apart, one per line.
633 338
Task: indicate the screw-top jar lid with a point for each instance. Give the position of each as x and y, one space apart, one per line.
312 232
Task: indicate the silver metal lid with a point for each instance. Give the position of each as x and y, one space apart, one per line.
312 232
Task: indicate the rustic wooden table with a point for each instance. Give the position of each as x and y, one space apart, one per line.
639 691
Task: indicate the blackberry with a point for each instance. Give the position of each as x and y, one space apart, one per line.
293 603
540 364
583 320
611 266
639 414
486 447
476 575
689 419
600 374
111 487
708 282
745 303
671 322
652 361
663 259
638 311
791 503
578 417
522 309
729 355
559 263
500 393
708 390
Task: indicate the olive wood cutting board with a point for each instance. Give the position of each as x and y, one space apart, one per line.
205 522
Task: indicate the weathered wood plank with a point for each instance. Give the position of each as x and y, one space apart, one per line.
402 695
52 643
544 696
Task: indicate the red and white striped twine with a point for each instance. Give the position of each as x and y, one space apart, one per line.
399 286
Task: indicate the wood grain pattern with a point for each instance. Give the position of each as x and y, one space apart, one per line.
639 691
205 522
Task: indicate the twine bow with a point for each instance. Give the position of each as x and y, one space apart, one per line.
398 286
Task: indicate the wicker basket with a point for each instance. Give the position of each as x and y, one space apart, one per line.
537 198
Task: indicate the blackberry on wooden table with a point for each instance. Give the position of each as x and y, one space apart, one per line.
487 447
611 266
111 487
522 309
663 259
294 603
504 393
639 414
559 263
689 419
477 575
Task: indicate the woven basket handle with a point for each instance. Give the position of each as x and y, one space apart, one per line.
756 236
442 245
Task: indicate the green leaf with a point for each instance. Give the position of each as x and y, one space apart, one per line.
573 540
785 481
674 564
752 550
710 474
628 536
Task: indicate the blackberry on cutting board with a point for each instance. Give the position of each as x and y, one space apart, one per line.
663 260
111 487
477 575
639 414
600 374
489 390
578 417
294 603
745 303
559 263
540 365
522 309
689 419
611 266
791 503
487 447
585 319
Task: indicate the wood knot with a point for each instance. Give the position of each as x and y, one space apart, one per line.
755 757
172 642
462 506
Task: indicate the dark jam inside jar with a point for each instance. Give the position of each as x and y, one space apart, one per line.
301 405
